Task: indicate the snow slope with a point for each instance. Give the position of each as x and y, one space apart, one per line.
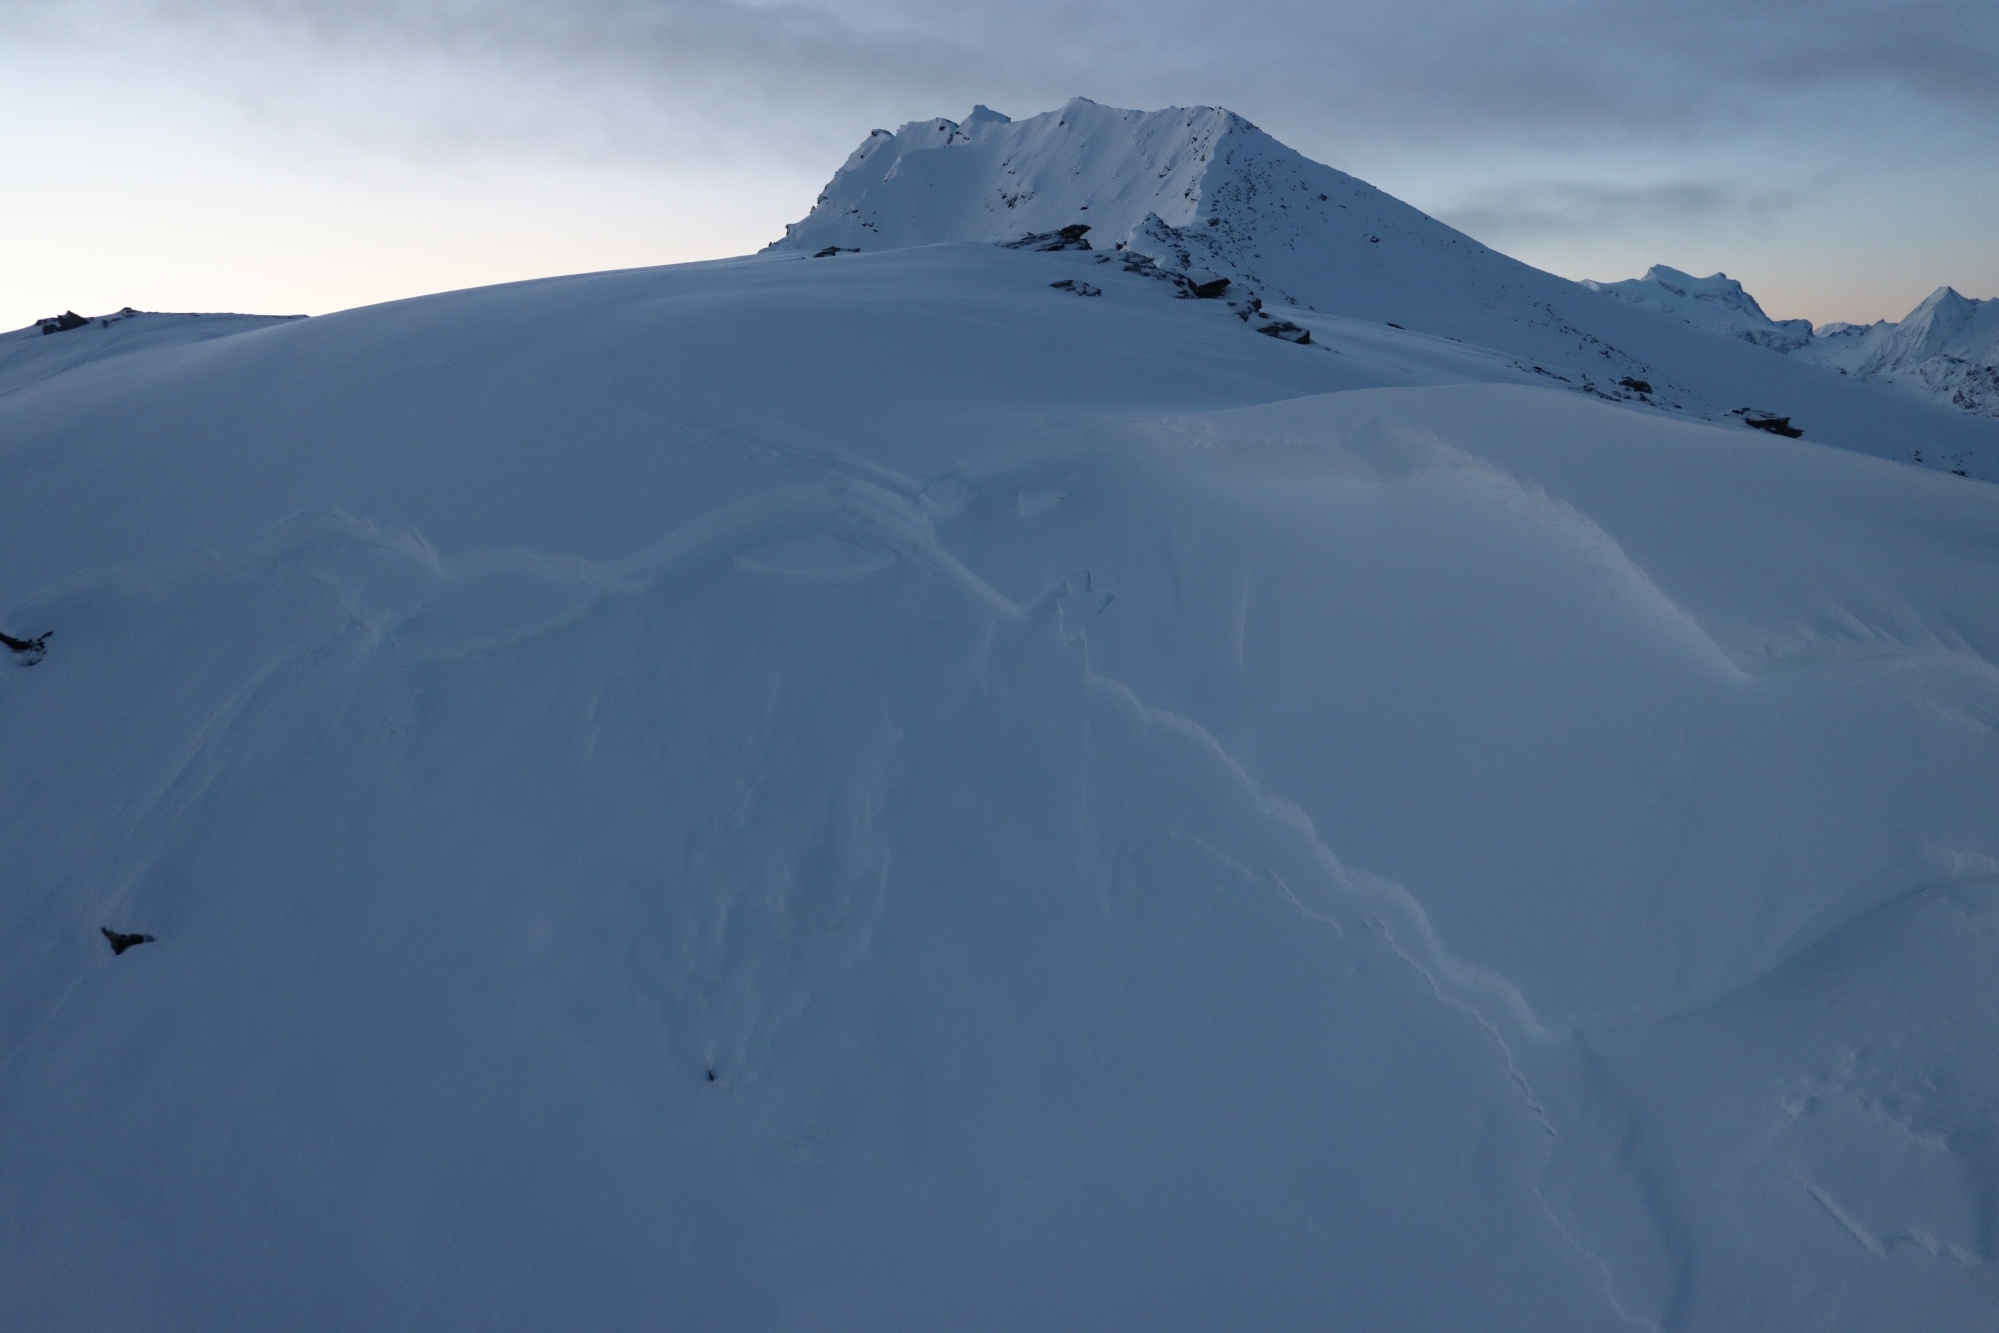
31 354
880 792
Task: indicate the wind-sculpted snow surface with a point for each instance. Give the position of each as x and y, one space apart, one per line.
868 792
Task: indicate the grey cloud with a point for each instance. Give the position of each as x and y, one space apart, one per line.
1549 209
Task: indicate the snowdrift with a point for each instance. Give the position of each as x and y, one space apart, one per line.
882 791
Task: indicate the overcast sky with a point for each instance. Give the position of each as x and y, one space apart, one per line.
1841 157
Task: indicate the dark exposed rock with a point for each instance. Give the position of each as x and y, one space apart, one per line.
1069 238
836 250
120 941
1768 421
1080 288
31 650
1289 332
1207 286
1636 385
62 323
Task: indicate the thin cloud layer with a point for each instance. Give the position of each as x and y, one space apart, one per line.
1464 70
1543 208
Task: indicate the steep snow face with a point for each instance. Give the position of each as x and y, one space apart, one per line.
994 179
1716 302
1947 347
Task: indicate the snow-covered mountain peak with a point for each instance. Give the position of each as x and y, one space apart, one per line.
1947 347
1717 303
990 178
1189 187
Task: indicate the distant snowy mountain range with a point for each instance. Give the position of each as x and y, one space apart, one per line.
1946 348
1200 193
1121 732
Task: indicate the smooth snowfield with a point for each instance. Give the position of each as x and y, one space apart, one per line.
1147 826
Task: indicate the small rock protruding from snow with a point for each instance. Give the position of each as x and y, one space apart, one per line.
1287 331
1206 286
120 941
30 651
1063 238
1757 419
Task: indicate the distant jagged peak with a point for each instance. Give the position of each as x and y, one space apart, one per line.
1946 312
1717 303
1947 347
1190 187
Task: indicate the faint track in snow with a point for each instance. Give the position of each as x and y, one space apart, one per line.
1593 1197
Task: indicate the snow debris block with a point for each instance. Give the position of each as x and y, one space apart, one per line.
62 323
1080 288
120 941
